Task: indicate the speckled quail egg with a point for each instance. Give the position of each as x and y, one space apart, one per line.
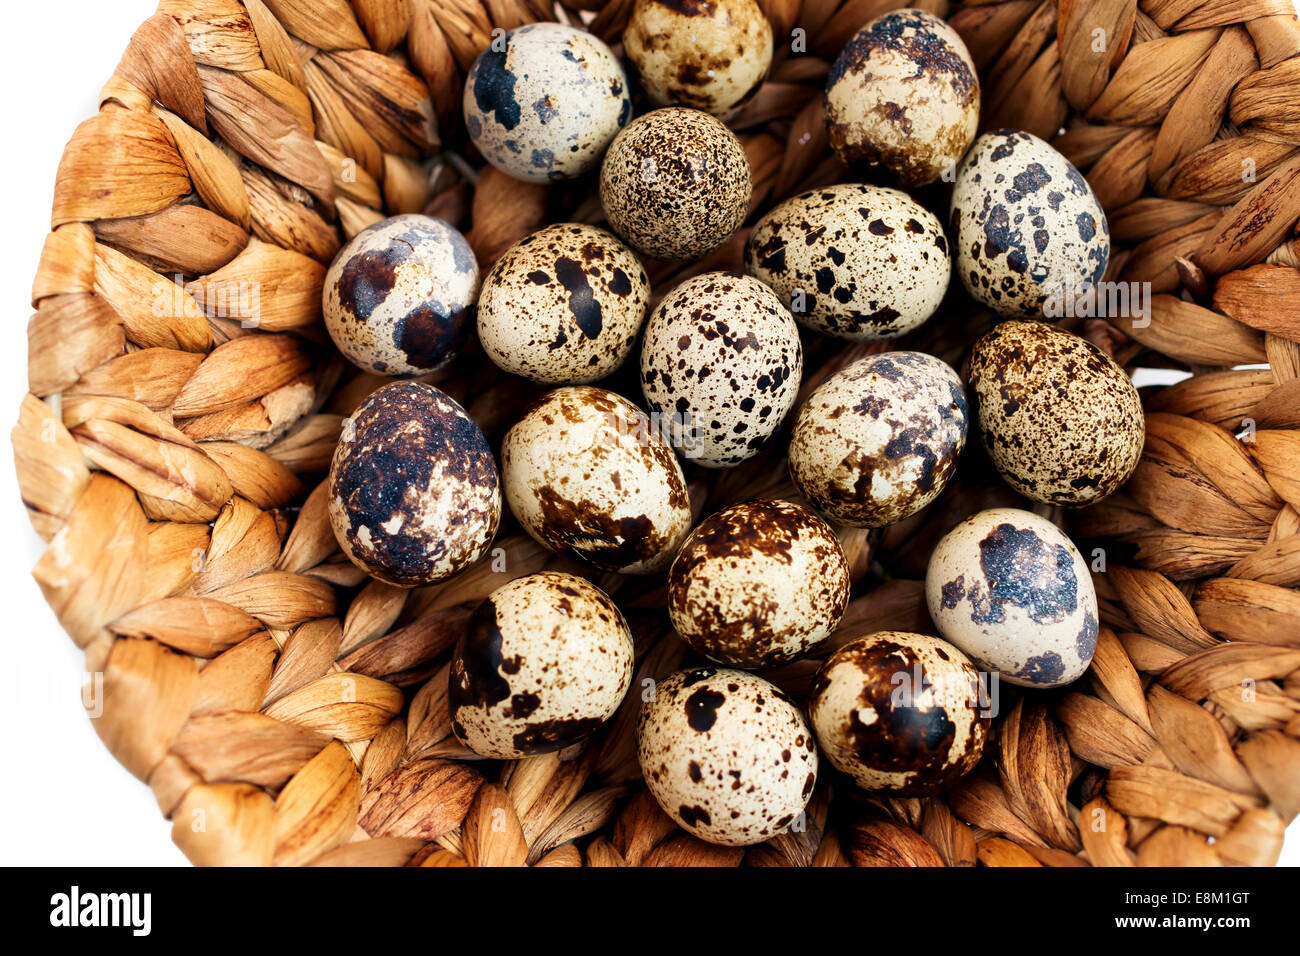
900 713
675 184
712 55
721 364
545 661
903 97
588 474
1013 592
726 754
857 262
1062 422
1029 232
543 101
399 297
413 490
879 439
563 306
758 584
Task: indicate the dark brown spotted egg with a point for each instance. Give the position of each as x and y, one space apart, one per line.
587 474
563 306
903 98
1062 422
899 713
545 661
721 364
712 55
413 490
857 262
878 440
675 184
543 101
1029 232
1013 592
727 755
758 584
399 297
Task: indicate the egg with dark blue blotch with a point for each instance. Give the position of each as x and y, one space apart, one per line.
721 364
1029 232
878 440
399 297
414 496
543 101
1012 591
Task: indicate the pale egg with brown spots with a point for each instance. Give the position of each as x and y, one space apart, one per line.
563 306
878 440
726 754
1061 420
414 496
758 584
857 262
1011 590
399 297
587 474
721 364
545 660
900 713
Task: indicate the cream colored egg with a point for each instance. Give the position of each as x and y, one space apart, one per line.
727 755
1012 591
587 474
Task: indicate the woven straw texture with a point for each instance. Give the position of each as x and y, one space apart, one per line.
285 709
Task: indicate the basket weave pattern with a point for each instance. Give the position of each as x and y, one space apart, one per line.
285 709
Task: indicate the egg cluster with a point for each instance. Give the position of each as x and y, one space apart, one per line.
611 484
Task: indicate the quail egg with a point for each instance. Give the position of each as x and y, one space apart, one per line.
727 755
758 584
903 97
563 305
711 55
543 101
721 363
399 297
588 474
545 661
857 262
1030 235
1062 422
900 713
878 440
1013 592
413 490
675 184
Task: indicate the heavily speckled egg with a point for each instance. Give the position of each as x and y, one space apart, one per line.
413 490
399 297
758 584
900 713
563 306
903 96
587 474
721 363
857 262
879 439
1029 232
726 754
543 101
545 661
675 184
712 55
1062 422
1013 592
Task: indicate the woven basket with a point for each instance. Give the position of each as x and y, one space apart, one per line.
285 709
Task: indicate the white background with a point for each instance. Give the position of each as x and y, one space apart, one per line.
65 801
